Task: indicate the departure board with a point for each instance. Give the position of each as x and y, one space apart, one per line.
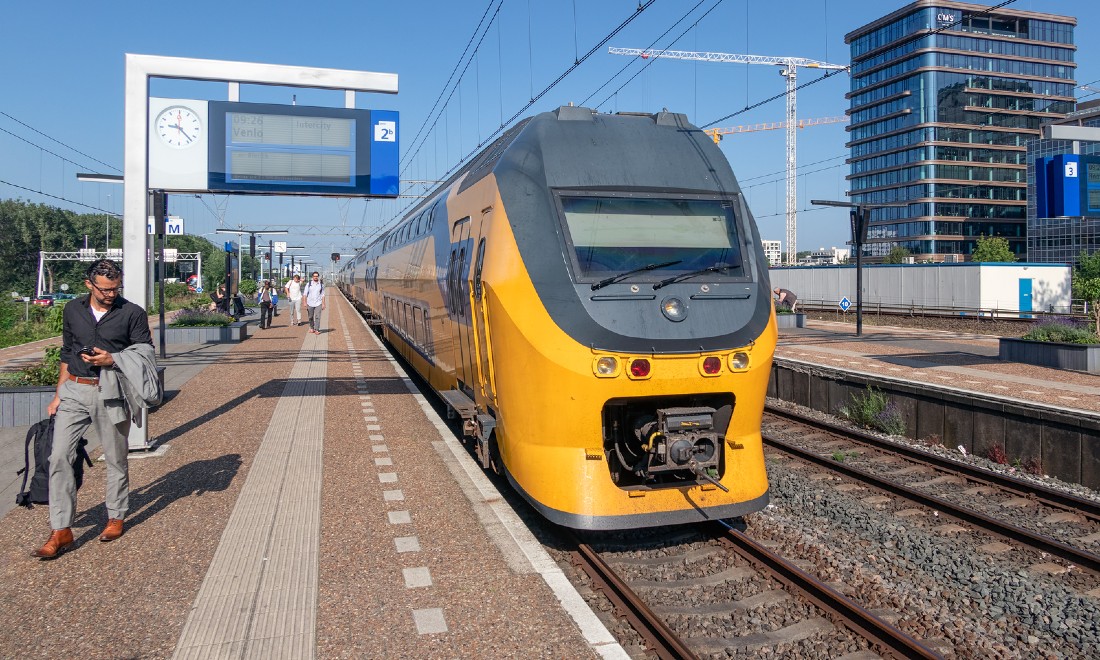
1093 172
300 149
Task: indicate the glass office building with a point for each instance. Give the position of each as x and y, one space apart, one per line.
944 98
1061 240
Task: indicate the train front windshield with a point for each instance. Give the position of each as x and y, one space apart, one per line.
610 235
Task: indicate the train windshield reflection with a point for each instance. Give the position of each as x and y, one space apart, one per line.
611 235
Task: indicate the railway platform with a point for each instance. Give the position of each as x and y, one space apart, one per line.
960 361
302 501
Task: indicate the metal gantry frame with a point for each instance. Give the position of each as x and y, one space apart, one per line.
92 255
136 208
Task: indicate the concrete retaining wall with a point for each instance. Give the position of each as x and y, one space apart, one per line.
790 321
23 406
1076 357
1067 443
232 333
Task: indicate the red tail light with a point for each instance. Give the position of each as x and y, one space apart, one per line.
639 368
712 365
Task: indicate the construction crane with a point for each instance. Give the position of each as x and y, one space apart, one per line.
717 133
789 71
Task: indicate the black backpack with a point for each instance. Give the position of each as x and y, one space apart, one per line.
41 436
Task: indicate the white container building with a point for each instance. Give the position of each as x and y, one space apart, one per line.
990 289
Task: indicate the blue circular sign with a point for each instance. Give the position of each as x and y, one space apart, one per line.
198 289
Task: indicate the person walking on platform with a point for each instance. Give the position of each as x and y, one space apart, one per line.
293 290
314 293
264 297
108 375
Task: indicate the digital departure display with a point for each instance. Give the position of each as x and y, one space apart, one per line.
1093 173
300 149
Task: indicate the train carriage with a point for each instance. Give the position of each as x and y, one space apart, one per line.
590 295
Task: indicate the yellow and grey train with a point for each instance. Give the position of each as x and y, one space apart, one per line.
590 294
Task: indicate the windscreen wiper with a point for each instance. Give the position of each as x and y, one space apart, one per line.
622 276
694 273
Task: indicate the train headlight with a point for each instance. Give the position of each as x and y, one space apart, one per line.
674 309
606 367
739 361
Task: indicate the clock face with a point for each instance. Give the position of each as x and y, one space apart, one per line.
179 127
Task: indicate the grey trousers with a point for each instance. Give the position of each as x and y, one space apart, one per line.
80 409
314 317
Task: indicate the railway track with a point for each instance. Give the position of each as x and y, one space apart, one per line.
818 442
829 607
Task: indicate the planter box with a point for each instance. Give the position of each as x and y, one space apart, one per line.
232 333
23 406
1075 357
790 321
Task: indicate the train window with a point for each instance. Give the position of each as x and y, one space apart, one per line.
609 235
405 319
477 269
417 332
424 321
431 220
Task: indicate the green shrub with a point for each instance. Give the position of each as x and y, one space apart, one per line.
192 317
249 287
45 372
175 290
1063 331
54 318
872 409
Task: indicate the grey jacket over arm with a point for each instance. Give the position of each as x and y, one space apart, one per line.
132 385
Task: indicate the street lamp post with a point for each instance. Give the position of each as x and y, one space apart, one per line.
859 217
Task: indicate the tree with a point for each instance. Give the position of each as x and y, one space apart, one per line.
1086 283
897 255
993 249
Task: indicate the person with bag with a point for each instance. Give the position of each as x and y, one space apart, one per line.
40 437
264 297
108 375
314 293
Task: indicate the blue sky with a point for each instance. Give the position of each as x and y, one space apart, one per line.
64 78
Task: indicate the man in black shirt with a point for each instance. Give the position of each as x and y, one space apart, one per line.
95 327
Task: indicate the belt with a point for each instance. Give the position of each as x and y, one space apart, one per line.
84 381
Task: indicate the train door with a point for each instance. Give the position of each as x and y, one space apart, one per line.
459 304
480 317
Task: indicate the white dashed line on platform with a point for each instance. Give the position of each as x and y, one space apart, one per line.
387 477
385 460
399 517
429 621
393 495
407 544
417 577
379 449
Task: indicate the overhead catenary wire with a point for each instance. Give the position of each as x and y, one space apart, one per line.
48 137
642 6
659 37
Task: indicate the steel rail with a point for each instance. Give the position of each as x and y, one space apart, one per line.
849 613
1088 508
1006 530
658 637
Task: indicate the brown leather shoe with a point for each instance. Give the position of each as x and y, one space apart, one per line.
112 531
60 540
